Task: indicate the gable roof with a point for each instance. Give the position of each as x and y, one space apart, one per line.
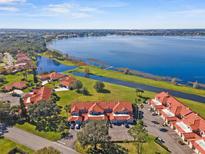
16 85
51 76
67 81
99 106
43 93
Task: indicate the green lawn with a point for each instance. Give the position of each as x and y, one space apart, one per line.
6 145
148 148
146 81
54 136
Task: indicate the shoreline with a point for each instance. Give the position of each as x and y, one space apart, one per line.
137 73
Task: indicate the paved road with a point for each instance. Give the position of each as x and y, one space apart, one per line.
144 87
35 142
170 137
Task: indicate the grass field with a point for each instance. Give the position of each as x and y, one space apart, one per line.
146 81
53 136
148 148
6 145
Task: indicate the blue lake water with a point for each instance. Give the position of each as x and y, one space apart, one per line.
45 65
181 57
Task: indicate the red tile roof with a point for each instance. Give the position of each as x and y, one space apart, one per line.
116 106
198 147
43 93
16 85
102 107
67 81
51 76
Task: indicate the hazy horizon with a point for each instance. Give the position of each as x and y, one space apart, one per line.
107 14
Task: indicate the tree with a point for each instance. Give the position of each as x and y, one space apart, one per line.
77 85
140 135
94 133
45 116
139 92
67 108
35 79
47 150
99 86
84 91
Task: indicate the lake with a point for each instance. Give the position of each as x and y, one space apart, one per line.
181 57
45 65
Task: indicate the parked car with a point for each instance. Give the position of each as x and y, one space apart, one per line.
127 126
77 126
163 129
72 126
154 114
155 122
181 142
160 140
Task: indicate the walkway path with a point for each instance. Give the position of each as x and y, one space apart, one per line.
35 142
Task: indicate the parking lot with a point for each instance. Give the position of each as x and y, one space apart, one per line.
154 125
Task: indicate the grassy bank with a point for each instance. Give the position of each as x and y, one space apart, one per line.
50 55
7 145
146 81
53 136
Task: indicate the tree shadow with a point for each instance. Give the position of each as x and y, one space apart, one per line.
105 91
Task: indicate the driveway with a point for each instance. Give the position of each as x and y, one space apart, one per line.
35 142
154 123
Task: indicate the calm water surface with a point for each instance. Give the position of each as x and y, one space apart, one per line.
47 65
182 57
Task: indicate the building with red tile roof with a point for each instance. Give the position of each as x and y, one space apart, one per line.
16 85
51 76
115 112
188 125
41 94
67 82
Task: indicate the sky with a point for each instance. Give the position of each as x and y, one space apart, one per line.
102 14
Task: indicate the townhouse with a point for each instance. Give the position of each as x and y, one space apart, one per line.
115 112
187 124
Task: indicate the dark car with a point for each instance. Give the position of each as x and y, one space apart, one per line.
72 126
127 126
154 114
155 122
163 129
